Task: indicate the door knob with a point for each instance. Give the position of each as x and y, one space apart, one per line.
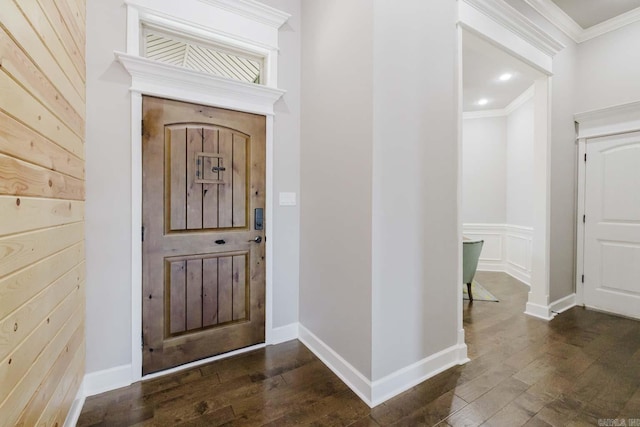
257 239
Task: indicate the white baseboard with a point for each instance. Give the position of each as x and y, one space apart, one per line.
491 266
552 310
539 311
377 392
283 334
563 304
462 348
76 407
106 380
353 378
405 378
518 273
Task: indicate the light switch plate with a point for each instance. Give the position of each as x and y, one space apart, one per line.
287 199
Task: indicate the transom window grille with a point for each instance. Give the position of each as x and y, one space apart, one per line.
205 58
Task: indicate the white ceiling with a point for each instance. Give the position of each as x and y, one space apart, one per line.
482 65
588 13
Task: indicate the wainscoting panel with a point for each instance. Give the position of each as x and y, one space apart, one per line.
518 253
492 256
507 248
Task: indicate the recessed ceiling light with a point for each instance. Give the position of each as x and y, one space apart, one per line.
483 101
505 77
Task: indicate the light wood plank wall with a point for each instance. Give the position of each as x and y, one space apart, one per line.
42 193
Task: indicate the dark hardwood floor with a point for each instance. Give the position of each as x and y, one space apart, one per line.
580 368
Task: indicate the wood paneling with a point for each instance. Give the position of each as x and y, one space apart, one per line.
19 178
20 68
15 100
209 292
31 214
239 182
210 191
194 205
21 142
177 297
42 191
194 190
225 191
178 161
225 289
196 300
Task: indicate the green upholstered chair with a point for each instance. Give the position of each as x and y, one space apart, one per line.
470 256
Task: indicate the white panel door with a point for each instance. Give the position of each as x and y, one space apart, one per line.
612 231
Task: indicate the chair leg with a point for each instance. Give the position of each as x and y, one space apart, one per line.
469 292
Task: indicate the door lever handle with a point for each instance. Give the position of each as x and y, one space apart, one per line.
220 242
257 239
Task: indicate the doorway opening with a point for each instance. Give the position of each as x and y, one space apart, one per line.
498 156
504 163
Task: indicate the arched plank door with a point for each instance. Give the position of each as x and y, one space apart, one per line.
203 232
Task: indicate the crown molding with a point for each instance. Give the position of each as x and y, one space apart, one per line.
167 22
502 112
519 100
157 78
611 24
556 16
253 10
514 21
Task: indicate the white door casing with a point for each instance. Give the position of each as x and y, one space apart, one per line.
245 26
612 224
603 135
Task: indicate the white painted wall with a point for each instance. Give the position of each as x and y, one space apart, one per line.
484 170
286 159
608 68
497 189
497 174
519 166
336 176
415 168
108 207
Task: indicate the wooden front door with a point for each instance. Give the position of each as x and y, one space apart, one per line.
203 232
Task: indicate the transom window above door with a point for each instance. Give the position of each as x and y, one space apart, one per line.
206 58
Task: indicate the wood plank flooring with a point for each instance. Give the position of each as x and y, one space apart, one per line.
582 367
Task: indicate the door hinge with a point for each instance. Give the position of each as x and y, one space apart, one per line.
142 233
142 340
584 219
142 127
585 157
583 278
